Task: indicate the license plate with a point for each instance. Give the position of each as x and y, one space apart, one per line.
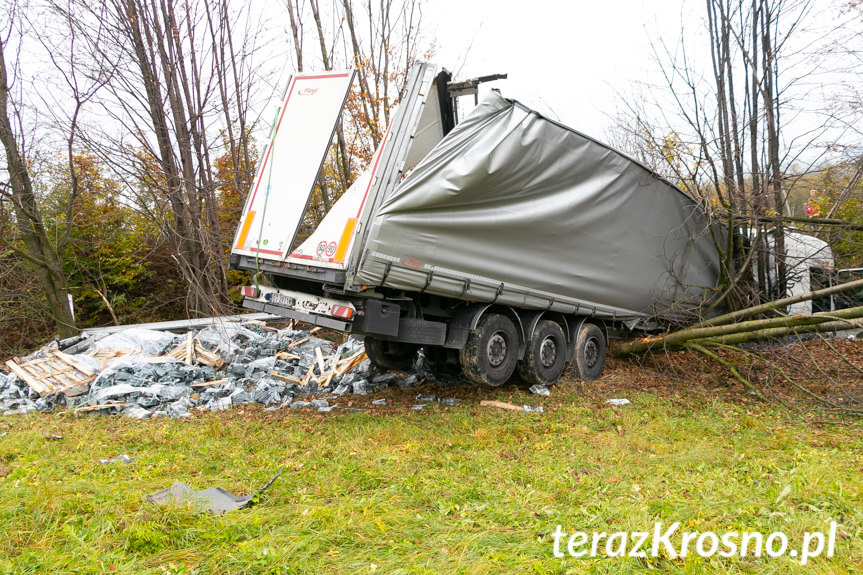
282 300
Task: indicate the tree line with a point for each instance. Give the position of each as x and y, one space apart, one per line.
131 131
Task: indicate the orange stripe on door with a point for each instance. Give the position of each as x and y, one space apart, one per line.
345 241
244 232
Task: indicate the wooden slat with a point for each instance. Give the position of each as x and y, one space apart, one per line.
298 342
500 405
328 379
113 353
208 383
308 376
73 362
320 357
288 378
190 348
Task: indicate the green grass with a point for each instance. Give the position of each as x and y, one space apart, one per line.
445 490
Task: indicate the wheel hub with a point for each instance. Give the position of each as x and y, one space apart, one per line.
591 352
548 352
496 349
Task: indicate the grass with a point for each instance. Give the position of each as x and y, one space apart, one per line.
465 489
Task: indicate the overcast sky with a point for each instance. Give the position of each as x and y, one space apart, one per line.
576 58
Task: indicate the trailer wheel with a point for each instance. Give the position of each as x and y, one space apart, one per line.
545 358
390 354
589 352
491 351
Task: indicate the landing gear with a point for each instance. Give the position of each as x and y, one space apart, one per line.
545 358
491 352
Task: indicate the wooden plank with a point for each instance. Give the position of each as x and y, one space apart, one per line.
208 383
112 353
190 348
315 330
320 357
68 359
328 379
355 360
308 376
285 355
288 378
298 342
207 357
500 405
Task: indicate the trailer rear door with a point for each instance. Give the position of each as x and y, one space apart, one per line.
301 136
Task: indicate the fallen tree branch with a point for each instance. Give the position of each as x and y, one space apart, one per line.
753 330
730 367
780 303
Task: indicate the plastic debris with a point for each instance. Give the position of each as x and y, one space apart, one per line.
617 402
449 401
533 409
52 437
123 458
418 407
215 500
540 390
425 397
136 412
381 401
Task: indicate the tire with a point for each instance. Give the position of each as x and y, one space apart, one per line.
589 356
491 351
390 355
545 358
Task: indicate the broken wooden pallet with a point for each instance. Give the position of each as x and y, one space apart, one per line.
57 373
192 352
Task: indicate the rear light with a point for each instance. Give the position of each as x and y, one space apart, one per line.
250 291
342 311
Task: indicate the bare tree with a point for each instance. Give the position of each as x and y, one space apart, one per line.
38 251
732 150
180 90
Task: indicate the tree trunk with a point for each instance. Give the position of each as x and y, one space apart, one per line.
38 251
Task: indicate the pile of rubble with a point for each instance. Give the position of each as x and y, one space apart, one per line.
144 373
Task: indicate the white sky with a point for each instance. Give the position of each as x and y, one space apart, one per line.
574 58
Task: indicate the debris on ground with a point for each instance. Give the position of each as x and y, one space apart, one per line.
123 458
143 373
500 405
511 406
617 402
539 389
215 500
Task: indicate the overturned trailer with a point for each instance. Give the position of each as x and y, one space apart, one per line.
508 239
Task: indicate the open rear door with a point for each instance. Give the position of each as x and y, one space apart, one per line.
286 177
416 128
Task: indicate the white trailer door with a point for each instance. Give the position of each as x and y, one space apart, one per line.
286 177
